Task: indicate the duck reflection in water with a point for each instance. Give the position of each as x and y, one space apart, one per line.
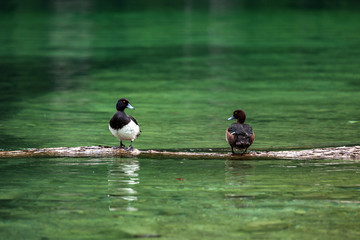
236 173
122 177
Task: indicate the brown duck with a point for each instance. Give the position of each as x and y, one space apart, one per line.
239 135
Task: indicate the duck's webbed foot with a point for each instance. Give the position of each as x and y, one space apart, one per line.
130 148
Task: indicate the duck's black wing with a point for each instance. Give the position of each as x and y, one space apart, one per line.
240 129
134 120
242 134
119 120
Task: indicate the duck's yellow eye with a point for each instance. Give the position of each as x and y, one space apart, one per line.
123 101
235 112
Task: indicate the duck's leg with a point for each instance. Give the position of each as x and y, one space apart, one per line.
121 144
232 150
130 148
245 151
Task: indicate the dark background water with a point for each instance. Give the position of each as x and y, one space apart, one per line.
185 66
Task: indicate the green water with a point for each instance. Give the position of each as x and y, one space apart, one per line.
108 198
185 69
185 66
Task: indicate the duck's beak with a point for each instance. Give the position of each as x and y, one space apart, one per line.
130 107
230 118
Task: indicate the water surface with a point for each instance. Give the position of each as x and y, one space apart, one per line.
113 198
185 66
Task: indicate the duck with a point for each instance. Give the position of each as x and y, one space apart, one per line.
239 135
123 126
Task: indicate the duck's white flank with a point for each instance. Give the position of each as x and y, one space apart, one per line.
129 132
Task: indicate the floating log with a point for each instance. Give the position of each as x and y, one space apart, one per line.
103 151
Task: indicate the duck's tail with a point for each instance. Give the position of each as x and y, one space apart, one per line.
242 141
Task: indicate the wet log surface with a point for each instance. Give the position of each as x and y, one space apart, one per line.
103 151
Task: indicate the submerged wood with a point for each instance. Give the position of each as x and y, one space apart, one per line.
103 151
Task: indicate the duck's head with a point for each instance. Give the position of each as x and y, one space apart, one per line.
122 104
239 115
